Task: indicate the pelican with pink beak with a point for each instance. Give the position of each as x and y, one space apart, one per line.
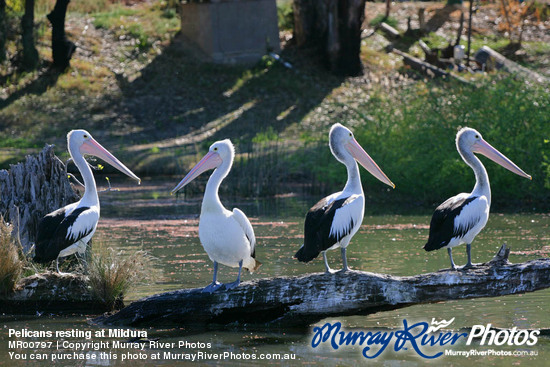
334 220
69 229
227 236
460 219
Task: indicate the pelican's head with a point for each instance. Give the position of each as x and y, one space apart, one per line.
219 152
470 140
343 146
82 142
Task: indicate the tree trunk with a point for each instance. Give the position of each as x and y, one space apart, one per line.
302 300
62 48
333 29
32 189
30 54
2 30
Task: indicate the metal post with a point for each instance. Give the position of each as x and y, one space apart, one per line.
469 32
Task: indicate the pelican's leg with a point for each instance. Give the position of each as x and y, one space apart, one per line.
450 251
469 264
344 259
83 259
328 270
85 263
57 267
215 284
238 281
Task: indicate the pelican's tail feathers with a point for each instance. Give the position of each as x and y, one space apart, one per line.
305 254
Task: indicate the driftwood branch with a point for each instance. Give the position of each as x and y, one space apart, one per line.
302 300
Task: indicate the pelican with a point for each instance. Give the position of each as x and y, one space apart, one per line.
460 219
69 229
227 236
334 220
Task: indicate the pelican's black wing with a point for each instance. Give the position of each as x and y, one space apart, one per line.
57 232
442 225
317 228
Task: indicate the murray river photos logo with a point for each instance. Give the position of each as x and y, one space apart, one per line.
424 339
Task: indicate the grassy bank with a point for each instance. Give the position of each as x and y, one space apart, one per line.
146 97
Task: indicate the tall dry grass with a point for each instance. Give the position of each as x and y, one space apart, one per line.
11 265
112 275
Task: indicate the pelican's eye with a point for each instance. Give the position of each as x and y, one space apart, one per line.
350 134
216 148
85 136
477 136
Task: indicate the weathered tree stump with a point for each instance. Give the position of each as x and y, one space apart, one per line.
301 300
32 189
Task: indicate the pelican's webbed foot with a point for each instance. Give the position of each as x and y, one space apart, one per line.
469 265
232 285
212 287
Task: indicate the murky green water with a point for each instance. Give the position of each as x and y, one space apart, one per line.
145 218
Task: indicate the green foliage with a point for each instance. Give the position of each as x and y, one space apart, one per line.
16 6
412 138
265 136
285 15
112 17
17 142
546 163
381 18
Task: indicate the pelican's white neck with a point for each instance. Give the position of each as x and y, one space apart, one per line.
353 184
90 197
211 201
482 186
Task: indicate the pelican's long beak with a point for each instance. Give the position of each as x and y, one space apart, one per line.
209 161
94 148
366 161
487 150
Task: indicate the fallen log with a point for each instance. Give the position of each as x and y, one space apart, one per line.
389 31
426 68
302 300
490 59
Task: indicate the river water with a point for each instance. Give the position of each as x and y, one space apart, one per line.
166 227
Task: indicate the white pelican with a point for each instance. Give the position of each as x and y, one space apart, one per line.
334 220
227 237
459 219
69 229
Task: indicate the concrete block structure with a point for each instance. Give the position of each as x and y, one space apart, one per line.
231 31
